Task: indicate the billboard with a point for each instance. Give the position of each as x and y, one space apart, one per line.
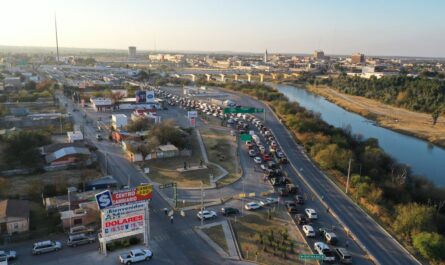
140 193
125 224
141 96
150 96
106 199
122 210
192 114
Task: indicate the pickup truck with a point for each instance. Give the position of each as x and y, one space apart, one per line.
136 255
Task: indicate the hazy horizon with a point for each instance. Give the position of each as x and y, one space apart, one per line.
376 28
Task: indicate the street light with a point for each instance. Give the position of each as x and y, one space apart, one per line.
70 190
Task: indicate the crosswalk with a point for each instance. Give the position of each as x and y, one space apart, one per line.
160 237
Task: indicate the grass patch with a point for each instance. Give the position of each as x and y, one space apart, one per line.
216 233
221 149
252 227
165 170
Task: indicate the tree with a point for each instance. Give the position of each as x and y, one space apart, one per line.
413 218
435 116
430 245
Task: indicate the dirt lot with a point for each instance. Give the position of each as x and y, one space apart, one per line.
221 149
398 119
30 184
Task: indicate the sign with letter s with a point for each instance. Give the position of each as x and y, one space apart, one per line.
104 199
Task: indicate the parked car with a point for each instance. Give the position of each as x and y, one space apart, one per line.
292 189
8 254
80 229
283 192
46 246
267 157
299 199
226 211
252 153
291 207
252 206
311 214
323 249
80 239
300 219
308 231
257 160
206 215
343 255
268 201
135 255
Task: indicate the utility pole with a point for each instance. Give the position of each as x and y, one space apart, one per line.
57 38
349 175
147 223
202 203
242 199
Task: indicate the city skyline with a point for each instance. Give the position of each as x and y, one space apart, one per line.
296 27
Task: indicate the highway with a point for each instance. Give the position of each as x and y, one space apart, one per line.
371 236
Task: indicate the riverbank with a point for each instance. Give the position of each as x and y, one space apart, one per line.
398 119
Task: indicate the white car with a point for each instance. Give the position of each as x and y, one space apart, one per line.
252 153
8 254
206 215
252 206
323 249
308 231
268 201
258 160
311 214
261 148
136 255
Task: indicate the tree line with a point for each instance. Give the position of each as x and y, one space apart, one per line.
408 205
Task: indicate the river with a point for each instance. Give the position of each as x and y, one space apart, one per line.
424 158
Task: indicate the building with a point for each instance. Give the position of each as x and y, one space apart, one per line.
12 82
74 136
318 55
167 150
265 57
132 52
101 104
14 216
358 58
119 121
68 156
103 183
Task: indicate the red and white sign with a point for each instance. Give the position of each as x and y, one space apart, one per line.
140 193
122 225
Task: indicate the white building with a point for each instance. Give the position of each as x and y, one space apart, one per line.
100 104
74 136
118 121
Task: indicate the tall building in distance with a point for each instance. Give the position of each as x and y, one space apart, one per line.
265 57
132 52
318 55
358 58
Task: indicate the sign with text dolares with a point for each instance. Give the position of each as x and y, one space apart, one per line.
124 224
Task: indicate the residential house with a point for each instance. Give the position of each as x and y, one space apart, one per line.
70 155
14 216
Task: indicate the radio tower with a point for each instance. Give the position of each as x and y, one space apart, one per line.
57 39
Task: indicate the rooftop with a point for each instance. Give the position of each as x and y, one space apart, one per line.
14 208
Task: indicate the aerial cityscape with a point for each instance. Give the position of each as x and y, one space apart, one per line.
222 132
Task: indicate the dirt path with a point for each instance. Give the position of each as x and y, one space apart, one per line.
398 119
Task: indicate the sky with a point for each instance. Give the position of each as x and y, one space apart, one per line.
372 27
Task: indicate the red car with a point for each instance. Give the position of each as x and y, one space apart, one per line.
267 158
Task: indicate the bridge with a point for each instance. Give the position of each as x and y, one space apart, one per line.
233 75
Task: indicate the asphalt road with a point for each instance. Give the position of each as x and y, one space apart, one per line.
376 241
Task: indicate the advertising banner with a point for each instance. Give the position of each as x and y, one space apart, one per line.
141 96
150 95
104 199
122 225
122 210
140 193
